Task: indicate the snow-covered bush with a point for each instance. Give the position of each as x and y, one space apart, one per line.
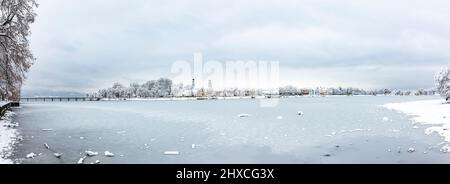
443 82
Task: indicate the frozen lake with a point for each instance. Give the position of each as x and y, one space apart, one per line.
332 130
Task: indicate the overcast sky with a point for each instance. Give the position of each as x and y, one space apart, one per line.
84 45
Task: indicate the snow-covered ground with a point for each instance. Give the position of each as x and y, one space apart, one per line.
430 112
8 136
2 103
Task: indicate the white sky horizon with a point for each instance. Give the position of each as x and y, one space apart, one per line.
86 45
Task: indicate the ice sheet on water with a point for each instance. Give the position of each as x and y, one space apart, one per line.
121 132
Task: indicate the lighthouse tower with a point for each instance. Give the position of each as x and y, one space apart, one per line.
193 88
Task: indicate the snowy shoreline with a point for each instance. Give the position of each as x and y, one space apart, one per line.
172 99
227 98
428 112
8 137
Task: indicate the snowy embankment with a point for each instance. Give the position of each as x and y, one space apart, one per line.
8 136
429 112
178 99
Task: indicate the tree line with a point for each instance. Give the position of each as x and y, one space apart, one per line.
151 89
442 79
350 91
165 88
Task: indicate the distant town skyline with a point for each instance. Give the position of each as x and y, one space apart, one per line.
82 45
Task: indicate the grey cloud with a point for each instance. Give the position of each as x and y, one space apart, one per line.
85 44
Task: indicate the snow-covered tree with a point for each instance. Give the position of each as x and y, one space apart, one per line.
442 79
143 92
103 93
289 91
133 89
178 90
15 54
151 89
164 87
118 90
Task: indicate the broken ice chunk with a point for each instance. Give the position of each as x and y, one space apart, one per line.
46 146
109 154
445 149
171 153
243 115
31 155
57 155
91 153
81 160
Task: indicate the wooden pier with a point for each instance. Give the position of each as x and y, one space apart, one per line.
58 99
7 106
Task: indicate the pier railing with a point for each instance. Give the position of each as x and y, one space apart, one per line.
58 99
